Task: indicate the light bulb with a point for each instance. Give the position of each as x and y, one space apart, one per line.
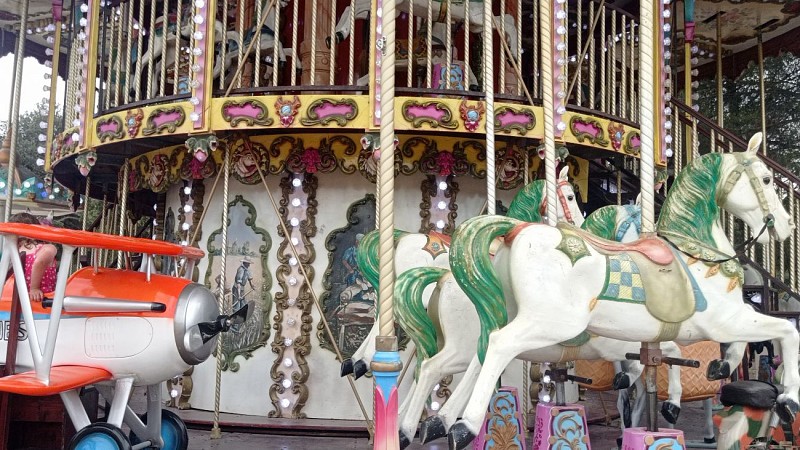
287 362
40 150
561 126
198 36
561 46
668 125
546 398
296 182
84 7
668 139
296 202
39 162
76 122
43 125
286 383
286 403
185 226
48 51
295 241
195 68
561 110
194 101
442 185
561 14
83 21
546 379
292 281
562 30
435 406
187 190
287 342
187 208
668 152
442 205
294 221
76 137
197 51
668 111
291 301
200 4
667 27
194 117
198 19
667 14
292 261
440 224
667 41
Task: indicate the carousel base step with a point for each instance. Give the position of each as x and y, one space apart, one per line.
199 419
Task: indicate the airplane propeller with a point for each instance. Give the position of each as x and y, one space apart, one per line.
224 322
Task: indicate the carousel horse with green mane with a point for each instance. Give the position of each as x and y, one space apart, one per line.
682 285
424 250
446 330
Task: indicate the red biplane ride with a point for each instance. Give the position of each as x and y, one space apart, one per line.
112 328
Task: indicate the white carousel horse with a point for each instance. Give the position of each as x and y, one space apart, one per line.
457 12
666 289
446 334
416 250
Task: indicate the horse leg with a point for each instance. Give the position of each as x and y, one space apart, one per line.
505 344
361 365
444 363
623 398
348 364
671 408
639 404
708 415
435 427
746 325
719 369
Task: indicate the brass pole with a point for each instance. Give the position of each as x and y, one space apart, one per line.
762 93
687 98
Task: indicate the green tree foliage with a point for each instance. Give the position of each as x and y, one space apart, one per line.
28 133
742 113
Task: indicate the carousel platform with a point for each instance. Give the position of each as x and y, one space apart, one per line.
282 434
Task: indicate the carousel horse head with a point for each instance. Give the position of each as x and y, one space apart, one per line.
531 204
753 197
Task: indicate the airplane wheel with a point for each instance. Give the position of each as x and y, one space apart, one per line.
173 431
100 436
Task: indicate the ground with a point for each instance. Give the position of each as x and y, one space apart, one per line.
603 437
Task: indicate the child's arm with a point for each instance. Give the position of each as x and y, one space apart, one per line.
44 258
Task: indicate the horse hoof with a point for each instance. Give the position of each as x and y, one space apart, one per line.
619 442
459 436
670 412
711 440
621 381
431 429
347 367
359 368
787 409
404 441
718 370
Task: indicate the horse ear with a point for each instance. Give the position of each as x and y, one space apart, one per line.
564 174
755 143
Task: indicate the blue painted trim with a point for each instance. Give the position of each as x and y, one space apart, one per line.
386 380
6 315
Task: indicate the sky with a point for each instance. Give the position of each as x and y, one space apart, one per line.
33 82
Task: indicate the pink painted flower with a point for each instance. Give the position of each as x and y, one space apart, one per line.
311 159
446 162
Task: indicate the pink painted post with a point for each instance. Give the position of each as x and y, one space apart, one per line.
565 424
641 439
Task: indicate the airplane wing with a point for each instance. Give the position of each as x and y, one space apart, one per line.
62 378
88 239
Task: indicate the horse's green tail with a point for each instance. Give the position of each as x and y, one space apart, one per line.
473 270
411 313
368 258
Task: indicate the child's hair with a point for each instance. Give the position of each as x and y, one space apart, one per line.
26 218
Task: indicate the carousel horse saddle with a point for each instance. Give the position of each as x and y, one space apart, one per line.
652 248
755 394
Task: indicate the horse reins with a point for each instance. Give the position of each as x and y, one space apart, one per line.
561 198
745 166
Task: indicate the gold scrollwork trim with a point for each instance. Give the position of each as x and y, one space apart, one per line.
598 139
170 125
628 146
119 132
446 120
313 117
234 119
522 129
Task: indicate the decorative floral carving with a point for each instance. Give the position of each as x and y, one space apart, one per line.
293 302
504 425
616 132
161 119
368 157
85 162
287 110
110 128
251 111
510 167
587 129
431 196
443 163
567 431
133 120
434 113
312 160
633 143
247 158
508 119
471 114
324 110
194 169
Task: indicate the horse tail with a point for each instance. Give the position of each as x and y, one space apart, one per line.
367 257
410 312
472 267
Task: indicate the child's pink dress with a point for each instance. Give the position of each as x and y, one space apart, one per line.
48 283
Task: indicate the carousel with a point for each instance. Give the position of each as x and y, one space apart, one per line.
349 166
